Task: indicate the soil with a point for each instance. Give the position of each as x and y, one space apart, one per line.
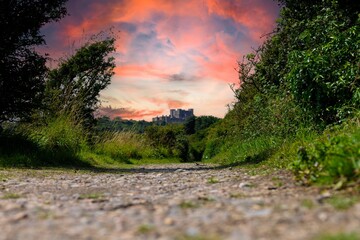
173 201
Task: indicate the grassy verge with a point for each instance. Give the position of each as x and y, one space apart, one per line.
61 143
331 157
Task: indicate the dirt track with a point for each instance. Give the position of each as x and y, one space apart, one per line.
185 201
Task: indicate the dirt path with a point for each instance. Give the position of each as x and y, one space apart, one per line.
184 201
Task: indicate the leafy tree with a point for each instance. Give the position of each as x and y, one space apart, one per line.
22 70
314 57
189 125
73 88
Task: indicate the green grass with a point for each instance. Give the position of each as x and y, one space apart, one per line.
198 237
308 203
60 143
339 236
11 196
145 229
187 205
91 196
331 158
212 180
342 202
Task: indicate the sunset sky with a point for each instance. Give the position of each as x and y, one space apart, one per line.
170 53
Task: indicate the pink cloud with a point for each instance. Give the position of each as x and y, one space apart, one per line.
171 103
173 44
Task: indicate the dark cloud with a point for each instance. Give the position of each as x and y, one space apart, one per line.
181 77
127 27
127 113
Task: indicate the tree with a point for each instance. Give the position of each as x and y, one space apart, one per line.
73 88
189 125
22 70
314 58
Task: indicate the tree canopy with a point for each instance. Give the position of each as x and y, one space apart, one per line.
313 57
74 87
23 70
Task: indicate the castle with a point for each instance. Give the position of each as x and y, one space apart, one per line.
176 116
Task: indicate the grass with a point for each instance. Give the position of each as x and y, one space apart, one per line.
91 196
145 229
331 157
197 237
212 180
308 203
61 143
342 202
188 205
11 196
339 236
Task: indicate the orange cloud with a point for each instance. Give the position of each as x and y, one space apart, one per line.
171 103
165 48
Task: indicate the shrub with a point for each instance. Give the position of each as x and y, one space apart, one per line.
332 158
124 146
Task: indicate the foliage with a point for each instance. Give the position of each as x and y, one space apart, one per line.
339 236
169 140
117 124
333 158
314 57
124 146
195 124
56 142
73 88
23 70
301 81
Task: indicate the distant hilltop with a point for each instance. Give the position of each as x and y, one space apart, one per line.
176 116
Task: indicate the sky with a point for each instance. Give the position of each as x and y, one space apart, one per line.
169 53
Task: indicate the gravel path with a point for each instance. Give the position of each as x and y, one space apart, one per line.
180 201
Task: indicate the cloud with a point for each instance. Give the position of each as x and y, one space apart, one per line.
170 103
127 113
190 46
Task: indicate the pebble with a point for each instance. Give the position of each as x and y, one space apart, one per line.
172 201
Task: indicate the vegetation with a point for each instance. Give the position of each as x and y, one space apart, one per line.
297 101
298 97
73 88
104 123
22 72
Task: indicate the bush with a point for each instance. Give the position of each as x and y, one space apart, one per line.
332 158
170 140
124 146
55 142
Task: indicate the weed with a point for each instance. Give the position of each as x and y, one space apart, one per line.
213 180
277 182
11 196
342 202
197 237
307 203
339 236
333 158
237 195
145 229
91 196
188 204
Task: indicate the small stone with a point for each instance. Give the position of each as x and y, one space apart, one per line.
168 221
18 217
192 232
244 185
323 216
